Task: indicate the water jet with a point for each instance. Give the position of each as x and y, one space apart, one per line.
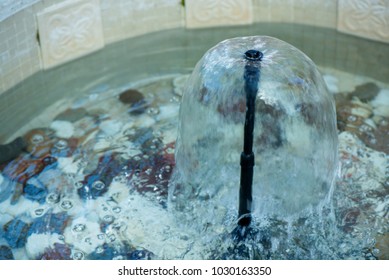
293 137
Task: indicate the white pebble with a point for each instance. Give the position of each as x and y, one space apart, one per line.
332 83
37 243
179 84
111 127
67 165
63 129
381 103
168 111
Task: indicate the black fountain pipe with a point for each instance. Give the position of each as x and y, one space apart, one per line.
251 77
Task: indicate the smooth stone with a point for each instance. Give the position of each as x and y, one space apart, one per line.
381 103
50 223
6 253
332 83
67 165
104 252
39 141
12 150
366 92
35 190
111 127
63 129
131 96
37 244
57 252
167 112
179 84
7 187
16 232
136 99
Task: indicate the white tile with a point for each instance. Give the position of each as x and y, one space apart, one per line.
207 13
69 30
11 7
365 18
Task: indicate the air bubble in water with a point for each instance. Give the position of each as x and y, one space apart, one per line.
98 185
37 138
66 204
53 198
79 228
61 144
39 212
78 255
108 218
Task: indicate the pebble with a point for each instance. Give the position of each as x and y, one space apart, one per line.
12 150
179 84
135 99
357 117
381 103
39 142
111 127
366 92
50 223
35 190
63 129
57 252
7 187
38 243
103 252
169 111
67 165
6 253
24 169
332 83
16 232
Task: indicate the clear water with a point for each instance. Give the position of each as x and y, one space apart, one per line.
103 192
93 181
295 136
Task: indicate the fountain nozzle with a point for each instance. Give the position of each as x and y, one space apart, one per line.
247 160
253 55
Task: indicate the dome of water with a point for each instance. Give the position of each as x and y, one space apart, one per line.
294 140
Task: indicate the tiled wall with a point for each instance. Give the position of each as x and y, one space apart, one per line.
20 54
20 51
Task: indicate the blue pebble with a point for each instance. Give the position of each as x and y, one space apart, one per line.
15 233
49 223
35 190
6 253
7 188
108 253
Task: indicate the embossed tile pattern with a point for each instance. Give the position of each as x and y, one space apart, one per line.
365 18
206 13
69 30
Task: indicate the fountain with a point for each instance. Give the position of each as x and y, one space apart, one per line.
99 173
294 138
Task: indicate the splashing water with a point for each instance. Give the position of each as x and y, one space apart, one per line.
295 137
295 144
95 184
